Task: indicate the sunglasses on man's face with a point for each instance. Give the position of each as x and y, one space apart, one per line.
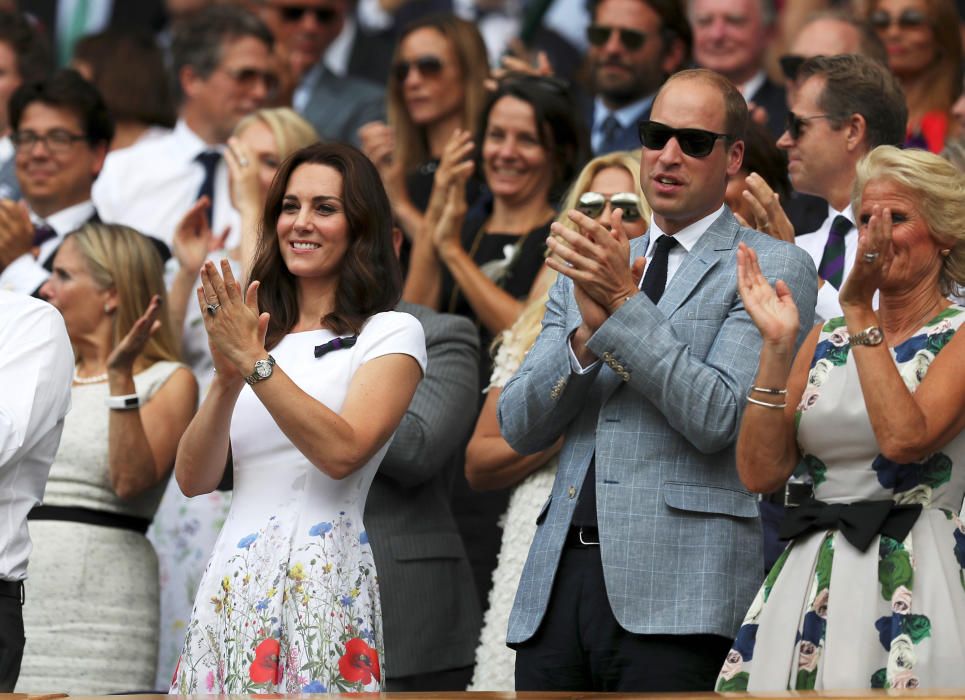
795 123
593 203
295 13
598 35
908 19
426 66
696 143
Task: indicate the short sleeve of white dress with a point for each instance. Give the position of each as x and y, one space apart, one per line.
392 332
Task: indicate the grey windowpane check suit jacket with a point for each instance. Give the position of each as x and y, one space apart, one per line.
680 536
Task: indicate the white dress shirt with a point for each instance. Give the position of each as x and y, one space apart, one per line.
150 185
26 274
827 306
750 88
686 238
36 369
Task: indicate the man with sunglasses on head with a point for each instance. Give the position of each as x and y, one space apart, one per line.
634 46
649 547
221 59
320 41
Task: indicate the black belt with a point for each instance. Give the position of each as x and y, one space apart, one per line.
74 514
582 537
791 495
859 522
12 589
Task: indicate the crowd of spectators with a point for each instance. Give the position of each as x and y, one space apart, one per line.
627 464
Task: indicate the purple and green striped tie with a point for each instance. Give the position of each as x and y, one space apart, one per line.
831 268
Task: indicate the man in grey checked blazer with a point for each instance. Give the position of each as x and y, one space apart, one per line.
640 573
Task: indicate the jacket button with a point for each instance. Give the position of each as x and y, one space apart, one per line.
571 492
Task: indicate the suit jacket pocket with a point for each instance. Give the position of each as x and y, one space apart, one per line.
429 545
544 510
718 500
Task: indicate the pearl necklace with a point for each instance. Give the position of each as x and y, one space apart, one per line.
95 379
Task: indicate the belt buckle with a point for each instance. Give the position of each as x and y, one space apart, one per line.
796 493
584 542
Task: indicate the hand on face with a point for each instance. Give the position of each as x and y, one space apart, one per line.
771 309
236 331
871 262
243 177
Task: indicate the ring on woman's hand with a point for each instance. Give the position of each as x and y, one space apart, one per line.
766 225
243 162
870 257
212 308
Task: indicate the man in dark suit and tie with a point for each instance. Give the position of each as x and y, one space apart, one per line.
634 46
61 132
648 550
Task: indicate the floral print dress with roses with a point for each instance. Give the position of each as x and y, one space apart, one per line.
830 616
289 602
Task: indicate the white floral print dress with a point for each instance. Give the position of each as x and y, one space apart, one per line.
830 616
289 602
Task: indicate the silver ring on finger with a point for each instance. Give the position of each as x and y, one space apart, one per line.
242 161
213 309
870 257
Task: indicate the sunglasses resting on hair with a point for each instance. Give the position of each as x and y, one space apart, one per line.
696 143
593 203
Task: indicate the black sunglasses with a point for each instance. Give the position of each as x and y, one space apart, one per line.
295 13
791 64
795 123
427 66
598 35
593 203
908 19
696 143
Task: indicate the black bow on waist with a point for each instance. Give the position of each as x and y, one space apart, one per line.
859 522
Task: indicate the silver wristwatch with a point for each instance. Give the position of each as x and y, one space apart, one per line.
869 336
263 369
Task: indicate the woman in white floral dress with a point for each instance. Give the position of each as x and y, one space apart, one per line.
870 593
289 601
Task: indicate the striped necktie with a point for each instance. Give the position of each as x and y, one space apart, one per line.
831 268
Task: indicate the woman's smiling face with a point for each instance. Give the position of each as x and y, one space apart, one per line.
516 165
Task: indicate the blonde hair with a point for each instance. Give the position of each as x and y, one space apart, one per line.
527 327
412 146
290 130
938 188
120 258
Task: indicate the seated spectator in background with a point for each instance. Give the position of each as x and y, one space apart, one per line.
605 184
430 611
436 86
634 46
925 54
868 593
128 70
763 163
61 132
221 61
185 529
92 618
24 58
36 365
336 105
731 37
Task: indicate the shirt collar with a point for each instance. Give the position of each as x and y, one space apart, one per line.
847 212
750 88
67 220
624 115
339 52
688 236
187 144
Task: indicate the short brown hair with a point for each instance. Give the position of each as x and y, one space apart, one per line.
735 106
370 279
856 84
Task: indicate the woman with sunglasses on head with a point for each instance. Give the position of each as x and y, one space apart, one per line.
314 374
607 183
436 86
92 615
925 54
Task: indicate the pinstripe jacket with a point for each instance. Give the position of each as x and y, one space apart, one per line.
680 536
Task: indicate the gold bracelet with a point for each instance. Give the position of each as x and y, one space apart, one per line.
765 390
765 404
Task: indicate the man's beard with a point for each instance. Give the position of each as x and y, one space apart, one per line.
629 90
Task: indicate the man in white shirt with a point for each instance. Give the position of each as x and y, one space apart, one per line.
61 132
844 107
634 46
731 37
221 58
36 369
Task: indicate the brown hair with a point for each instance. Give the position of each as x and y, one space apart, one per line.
370 279
412 148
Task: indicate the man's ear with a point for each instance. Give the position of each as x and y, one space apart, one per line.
857 127
191 82
735 158
99 152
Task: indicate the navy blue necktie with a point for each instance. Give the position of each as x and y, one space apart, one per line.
610 128
42 233
831 268
655 278
209 161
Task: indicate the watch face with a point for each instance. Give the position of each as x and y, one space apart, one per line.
263 368
874 336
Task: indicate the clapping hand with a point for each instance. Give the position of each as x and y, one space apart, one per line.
126 352
446 233
236 331
243 176
378 143
456 163
16 231
193 240
768 216
772 309
871 262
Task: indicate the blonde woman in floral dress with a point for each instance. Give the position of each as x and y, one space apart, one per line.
870 592
289 602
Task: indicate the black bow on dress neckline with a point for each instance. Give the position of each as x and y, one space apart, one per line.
335 344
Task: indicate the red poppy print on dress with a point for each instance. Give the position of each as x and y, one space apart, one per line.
359 662
264 668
